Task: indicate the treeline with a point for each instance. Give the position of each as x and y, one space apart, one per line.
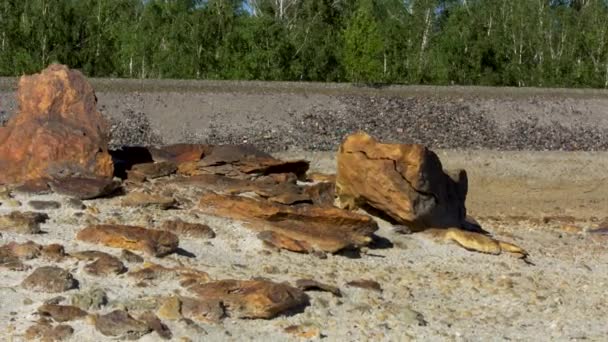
484 42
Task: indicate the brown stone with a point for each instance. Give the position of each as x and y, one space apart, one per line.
155 170
85 187
54 252
50 279
129 256
146 200
61 313
309 284
156 325
105 266
38 186
477 242
170 309
154 242
22 222
320 177
47 333
119 323
27 250
304 331
366 284
242 161
187 229
251 298
284 242
405 183
180 153
158 272
203 311
57 130
44 205
323 228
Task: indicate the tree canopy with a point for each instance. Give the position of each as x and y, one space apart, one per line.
548 43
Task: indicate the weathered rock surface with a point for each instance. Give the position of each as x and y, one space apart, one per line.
120 324
84 188
57 132
180 153
242 161
324 228
154 242
156 325
94 298
309 284
404 182
44 205
154 170
477 242
187 229
251 298
61 313
27 222
147 200
105 266
47 333
50 279
151 272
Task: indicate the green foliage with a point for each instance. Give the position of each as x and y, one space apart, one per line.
561 43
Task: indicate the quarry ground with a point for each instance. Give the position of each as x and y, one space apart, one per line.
544 201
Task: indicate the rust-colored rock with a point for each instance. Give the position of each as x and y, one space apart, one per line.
57 130
242 161
404 182
477 242
154 242
251 298
85 187
61 313
323 228
187 229
180 153
284 242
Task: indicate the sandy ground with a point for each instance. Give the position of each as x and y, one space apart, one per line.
431 291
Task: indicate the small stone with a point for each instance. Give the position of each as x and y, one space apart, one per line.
37 331
93 299
50 279
304 331
59 333
76 203
119 323
145 200
131 257
366 284
61 313
156 325
154 242
44 205
22 222
571 228
170 309
28 301
202 310
155 170
309 284
27 250
11 203
186 229
54 252
105 266
85 188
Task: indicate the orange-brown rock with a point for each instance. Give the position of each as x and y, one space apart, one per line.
180 153
187 229
242 161
284 242
57 130
405 183
154 242
158 272
327 229
251 298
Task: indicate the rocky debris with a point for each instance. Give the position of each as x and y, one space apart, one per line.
147 200
156 325
47 333
313 285
61 313
180 153
93 299
44 205
131 257
27 222
151 272
153 170
323 228
49 279
84 188
57 132
105 266
154 242
187 229
251 298
365 284
404 182
243 162
120 324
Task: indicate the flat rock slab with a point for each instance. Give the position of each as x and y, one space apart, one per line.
180 153
252 298
155 170
327 229
27 222
153 242
120 324
84 188
50 279
146 200
61 313
187 229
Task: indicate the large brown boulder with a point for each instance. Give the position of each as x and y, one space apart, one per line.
405 183
57 131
